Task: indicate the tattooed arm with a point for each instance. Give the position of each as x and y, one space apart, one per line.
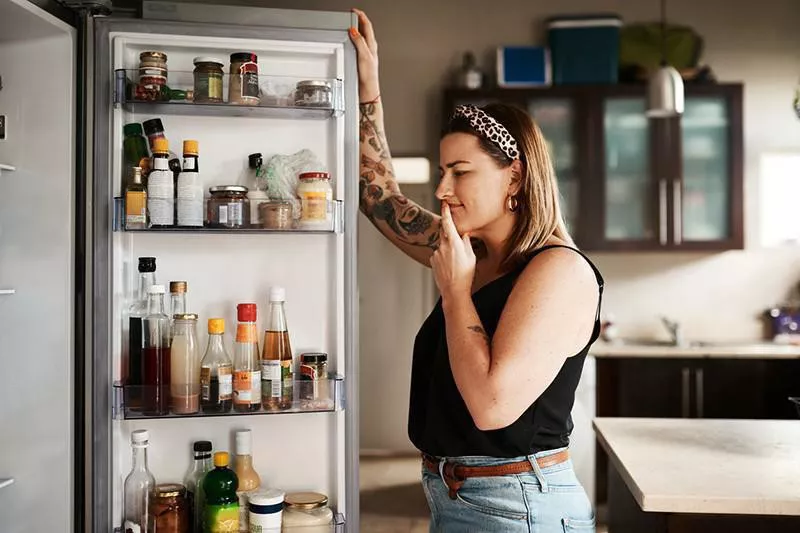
410 227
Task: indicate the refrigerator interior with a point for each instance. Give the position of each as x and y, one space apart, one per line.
293 452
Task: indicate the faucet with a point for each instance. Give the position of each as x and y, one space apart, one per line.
675 332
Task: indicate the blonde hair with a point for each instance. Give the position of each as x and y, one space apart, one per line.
538 209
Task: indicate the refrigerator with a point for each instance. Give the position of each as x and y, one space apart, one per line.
68 264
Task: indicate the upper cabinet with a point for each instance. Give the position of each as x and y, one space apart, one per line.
630 183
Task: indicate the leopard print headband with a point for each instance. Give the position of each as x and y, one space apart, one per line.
489 128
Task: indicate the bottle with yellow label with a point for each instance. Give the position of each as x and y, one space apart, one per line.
222 503
136 202
316 194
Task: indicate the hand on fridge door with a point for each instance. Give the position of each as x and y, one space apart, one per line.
363 38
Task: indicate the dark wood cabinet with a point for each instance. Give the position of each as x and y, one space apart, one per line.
732 388
629 183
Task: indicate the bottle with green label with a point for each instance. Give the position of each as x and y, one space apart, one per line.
222 503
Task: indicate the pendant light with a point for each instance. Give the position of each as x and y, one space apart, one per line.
665 86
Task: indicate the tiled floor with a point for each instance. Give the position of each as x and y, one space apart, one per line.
392 500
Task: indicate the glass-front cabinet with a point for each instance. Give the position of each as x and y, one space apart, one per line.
632 183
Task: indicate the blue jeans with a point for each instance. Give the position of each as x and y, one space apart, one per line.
549 500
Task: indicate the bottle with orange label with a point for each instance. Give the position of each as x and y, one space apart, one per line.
216 371
247 361
136 202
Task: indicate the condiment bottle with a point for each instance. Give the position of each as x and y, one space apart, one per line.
216 371
154 129
134 148
276 359
157 364
177 298
249 482
222 504
194 483
136 313
190 188
136 202
138 487
246 361
161 187
185 372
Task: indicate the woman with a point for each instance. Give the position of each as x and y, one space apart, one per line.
497 361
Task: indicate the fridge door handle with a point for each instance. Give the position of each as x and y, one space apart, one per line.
6 481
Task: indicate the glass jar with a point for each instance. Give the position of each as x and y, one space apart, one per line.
243 87
313 93
315 193
170 509
307 509
208 76
228 207
265 511
313 381
152 69
276 214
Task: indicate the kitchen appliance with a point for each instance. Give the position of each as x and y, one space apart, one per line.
79 307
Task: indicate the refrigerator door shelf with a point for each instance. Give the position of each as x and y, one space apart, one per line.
280 97
334 225
337 526
321 396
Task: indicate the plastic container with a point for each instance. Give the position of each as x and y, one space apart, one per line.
266 511
315 193
584 49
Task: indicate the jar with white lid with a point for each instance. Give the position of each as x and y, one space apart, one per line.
308 510
265 510
316 196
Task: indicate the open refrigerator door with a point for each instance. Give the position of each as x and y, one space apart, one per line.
281 98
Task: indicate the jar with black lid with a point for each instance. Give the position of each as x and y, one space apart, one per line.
208 76
228 207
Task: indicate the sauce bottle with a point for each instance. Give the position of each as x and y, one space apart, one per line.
216 371
194 483
185 372
136 202
161 187
246 361
136 313
222 504
157 364
276 360
249 482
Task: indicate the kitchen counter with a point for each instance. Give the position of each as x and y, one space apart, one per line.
706 466
733 350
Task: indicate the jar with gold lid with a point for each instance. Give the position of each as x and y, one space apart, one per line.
170 509
309 510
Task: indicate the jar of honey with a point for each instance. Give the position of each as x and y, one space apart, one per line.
170 509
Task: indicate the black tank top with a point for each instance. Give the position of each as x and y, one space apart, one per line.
439 423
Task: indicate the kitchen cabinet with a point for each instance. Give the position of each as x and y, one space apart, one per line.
710 388
629 183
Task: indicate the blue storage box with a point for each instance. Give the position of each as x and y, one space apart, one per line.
523 66
584 49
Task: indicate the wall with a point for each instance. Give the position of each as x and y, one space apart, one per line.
714 295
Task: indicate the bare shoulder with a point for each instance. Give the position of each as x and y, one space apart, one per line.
559 273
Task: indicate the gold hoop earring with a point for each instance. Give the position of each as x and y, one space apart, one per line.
512 203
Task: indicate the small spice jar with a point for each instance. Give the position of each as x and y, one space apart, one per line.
243 87
313 381
208 76
228 207
170 509
152 69
315 193
265 511
307 509
313 93
276 214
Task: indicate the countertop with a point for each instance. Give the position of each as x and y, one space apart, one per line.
677 465
732 350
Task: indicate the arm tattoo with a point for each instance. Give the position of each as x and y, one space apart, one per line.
480 331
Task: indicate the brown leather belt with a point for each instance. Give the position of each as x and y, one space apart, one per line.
455 474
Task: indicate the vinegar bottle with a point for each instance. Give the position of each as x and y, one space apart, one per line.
157 363
216 371
246 362
276 360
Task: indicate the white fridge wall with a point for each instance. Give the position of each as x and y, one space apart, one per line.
291 452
